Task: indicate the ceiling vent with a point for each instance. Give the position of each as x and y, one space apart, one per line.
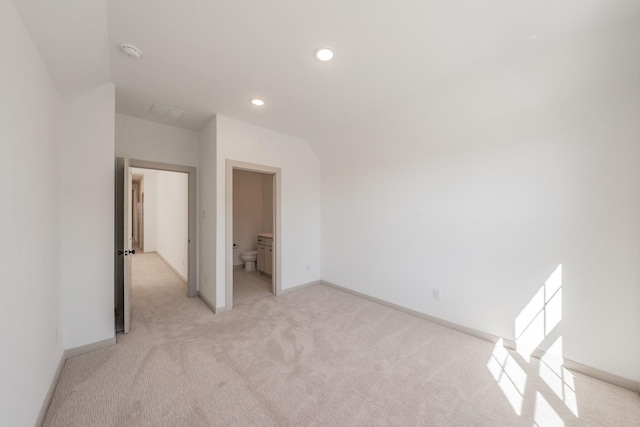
162 111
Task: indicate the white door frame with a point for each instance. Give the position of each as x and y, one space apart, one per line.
277 235
192 214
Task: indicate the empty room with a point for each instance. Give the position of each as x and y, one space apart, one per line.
390 213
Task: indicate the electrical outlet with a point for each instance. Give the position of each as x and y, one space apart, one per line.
307 267
205 279
204 214
436 294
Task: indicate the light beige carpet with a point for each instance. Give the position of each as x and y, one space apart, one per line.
249 285
315 357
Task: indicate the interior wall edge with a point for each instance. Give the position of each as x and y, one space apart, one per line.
66 354
52 388
208 303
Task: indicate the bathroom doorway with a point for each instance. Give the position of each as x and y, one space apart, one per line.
252 212
252 234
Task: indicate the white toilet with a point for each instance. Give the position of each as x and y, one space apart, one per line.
249 259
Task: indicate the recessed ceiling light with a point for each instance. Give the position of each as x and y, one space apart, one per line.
257 102
324 54
131 50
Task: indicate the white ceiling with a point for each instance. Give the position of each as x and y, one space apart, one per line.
209 57
71 36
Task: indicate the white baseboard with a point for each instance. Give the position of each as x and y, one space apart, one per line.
70 352
596 373
299 287
184 279
601 375
469 331
76 351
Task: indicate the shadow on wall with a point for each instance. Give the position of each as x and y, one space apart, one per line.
536 325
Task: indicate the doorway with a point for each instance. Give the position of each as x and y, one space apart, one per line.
266 227
165 217
133 214
252 235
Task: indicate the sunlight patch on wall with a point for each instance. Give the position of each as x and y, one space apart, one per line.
540 316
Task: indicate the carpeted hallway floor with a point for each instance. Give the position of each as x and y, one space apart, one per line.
314 357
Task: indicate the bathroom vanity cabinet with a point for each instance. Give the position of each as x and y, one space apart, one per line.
265 253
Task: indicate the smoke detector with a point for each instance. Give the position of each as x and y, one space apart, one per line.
131 50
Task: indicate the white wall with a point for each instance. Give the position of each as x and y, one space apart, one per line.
31 138
88 219
172 220
300 198
483 189
150 208
145 140
247 211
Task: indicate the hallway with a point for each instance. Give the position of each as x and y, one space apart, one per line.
159 295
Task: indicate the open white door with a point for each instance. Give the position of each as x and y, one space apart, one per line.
122 244
127 245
